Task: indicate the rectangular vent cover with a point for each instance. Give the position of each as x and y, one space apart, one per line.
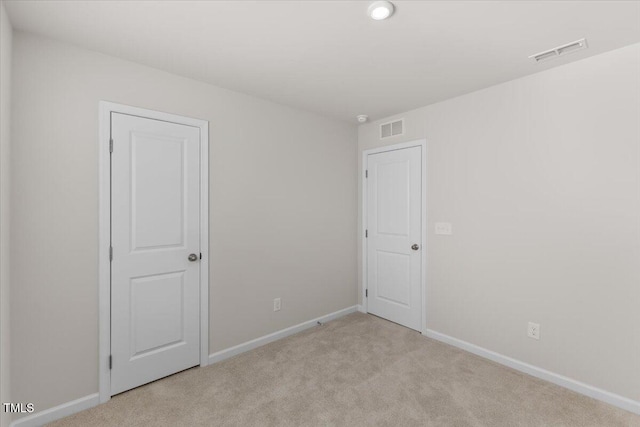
390 129
560 50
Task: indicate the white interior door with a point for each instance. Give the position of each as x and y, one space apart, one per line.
394 209
155 219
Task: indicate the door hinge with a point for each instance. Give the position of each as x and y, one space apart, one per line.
200 255
366 293
111 145
366 173
366 234
110 361
110 253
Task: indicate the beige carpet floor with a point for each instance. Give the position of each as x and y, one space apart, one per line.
355 371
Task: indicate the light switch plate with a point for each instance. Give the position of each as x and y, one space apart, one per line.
444 228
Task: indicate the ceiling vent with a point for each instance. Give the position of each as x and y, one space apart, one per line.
390 129
560 50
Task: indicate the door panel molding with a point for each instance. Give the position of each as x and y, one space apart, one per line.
104 233
423 221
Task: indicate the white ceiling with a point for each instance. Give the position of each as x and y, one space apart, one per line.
328 56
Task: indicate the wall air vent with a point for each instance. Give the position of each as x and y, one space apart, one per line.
560 50
390 129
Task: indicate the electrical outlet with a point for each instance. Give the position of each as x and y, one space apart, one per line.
276 304
533 331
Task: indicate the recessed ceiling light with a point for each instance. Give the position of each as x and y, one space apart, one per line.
362 118
380 10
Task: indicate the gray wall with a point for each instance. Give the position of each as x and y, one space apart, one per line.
5 119
283 210
540 178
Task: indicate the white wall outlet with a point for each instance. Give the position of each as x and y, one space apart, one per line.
444 228
276 304
533 331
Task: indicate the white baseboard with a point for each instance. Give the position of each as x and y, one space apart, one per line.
52 414
361 309
57 412
577 386
258 342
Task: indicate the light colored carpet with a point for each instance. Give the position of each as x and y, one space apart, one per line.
355 371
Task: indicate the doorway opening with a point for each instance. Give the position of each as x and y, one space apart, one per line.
394 233
153 246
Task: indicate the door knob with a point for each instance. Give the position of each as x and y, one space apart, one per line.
193 257
415 247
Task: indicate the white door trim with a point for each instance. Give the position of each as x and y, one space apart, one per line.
104 233
423 244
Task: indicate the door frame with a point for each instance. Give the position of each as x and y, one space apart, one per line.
423 221
104 233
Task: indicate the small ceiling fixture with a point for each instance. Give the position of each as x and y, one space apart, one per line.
362 118
380 10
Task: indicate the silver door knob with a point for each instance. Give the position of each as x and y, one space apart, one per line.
193 257
415 247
